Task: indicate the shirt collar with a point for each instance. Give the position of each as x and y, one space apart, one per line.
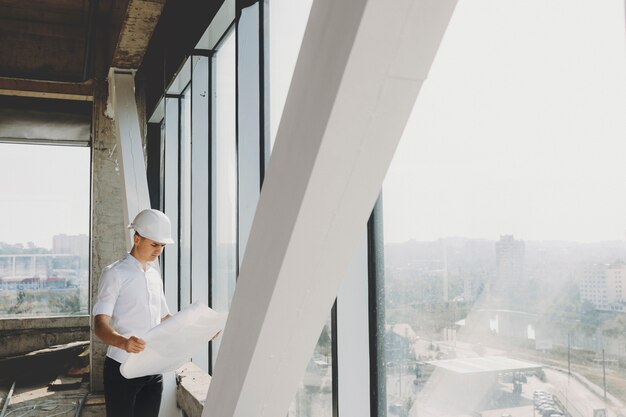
138 264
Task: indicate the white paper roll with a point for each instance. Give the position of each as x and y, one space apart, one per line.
173 342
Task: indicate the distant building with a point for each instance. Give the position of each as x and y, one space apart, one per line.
604 286
71 245
593 286
615 283
509 259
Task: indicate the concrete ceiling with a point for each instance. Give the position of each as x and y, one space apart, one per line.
44 39
70 42
45 52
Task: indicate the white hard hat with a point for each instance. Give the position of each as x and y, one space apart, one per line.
154 225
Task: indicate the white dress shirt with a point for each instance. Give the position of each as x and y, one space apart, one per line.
132 297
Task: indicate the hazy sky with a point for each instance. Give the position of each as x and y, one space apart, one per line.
44 191
520 128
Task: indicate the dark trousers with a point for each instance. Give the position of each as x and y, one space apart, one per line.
136 397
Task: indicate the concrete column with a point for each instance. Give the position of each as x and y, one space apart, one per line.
107 214
108 223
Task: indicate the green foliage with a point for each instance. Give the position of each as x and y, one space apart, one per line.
589 318
41 302
615 326
64 303
18 307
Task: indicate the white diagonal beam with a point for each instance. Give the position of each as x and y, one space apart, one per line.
358 74
133 165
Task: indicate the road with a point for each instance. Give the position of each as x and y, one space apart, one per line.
577 398
445 395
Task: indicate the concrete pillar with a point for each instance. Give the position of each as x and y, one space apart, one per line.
107 214
108 225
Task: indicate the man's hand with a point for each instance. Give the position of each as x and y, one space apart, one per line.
108 335
134 344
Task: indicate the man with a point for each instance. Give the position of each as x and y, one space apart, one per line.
130 302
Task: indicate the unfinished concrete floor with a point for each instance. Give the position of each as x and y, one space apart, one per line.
38 401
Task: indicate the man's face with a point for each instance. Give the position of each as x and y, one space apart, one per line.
147 250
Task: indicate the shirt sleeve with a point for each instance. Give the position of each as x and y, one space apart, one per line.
108 291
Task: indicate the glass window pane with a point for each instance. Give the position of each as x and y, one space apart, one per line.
44 230
353 350
224 200
170 199
185 199
315 392
504 233
287 22
199 188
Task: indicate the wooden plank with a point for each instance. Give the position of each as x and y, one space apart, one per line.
95 400
39 94
64 383
47 89
40 365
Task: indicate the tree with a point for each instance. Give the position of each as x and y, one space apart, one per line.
589 318
15 309
66 303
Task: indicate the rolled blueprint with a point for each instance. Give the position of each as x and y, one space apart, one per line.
173 342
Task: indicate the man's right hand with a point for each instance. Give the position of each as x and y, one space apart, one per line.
134 344
108 335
